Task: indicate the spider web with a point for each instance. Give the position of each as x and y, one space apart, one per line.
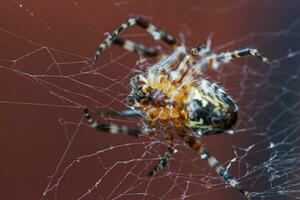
49 152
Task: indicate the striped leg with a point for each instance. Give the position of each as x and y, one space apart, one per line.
155 32
112 128
225 57
166 155
186 68
122 113
195 144
200 133
223 173
138 48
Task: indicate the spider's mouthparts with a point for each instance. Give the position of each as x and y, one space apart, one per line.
159 98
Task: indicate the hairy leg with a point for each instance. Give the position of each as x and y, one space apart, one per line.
195 144
138 48
166 155
111 128
138 21
122 113
225 57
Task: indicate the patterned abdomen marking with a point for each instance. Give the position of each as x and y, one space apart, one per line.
210 108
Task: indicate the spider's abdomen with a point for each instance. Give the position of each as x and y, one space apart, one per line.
209 108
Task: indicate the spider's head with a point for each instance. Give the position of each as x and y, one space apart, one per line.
142 94
139 94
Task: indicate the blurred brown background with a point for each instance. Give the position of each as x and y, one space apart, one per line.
46 78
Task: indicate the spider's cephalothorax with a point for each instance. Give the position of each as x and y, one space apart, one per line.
174 93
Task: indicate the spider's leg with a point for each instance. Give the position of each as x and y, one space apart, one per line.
195 144
199 133
122 113
202 49
223 173
155 32
185 71
166 155
138 48
111 128
227 56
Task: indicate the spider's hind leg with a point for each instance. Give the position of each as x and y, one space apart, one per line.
195 144
166 155
227 56
223 173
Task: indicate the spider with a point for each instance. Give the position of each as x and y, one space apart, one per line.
173 94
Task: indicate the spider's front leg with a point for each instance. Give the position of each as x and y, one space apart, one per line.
138 21
111 128
166 155
195 144
138 48
120 129
123 113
